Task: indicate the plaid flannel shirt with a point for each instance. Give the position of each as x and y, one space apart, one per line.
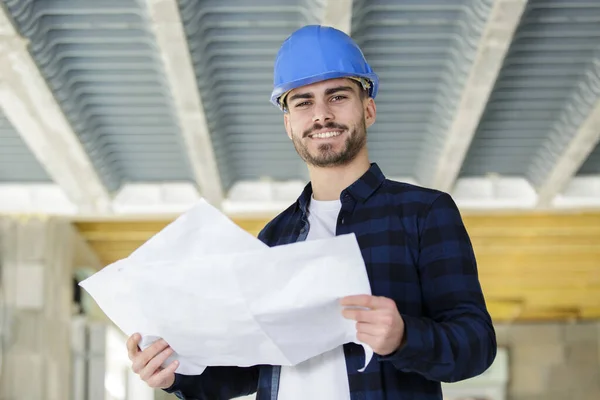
418 253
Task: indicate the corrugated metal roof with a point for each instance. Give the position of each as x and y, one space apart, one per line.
17 163
543 92
233 47
100 60
422 51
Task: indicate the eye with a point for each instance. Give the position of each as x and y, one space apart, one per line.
337 98
304 103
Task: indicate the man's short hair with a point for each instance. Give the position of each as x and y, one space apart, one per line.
363 93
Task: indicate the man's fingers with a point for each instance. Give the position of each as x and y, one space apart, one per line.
367 316
359 300
380 318
366 338
155 364
142 359
369 329
366 301
164 378
132 345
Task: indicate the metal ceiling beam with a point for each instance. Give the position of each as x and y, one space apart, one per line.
573 156
338 14
172 42
493 46
31 108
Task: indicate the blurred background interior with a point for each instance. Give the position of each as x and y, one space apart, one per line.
118 115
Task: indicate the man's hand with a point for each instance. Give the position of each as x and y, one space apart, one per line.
147 363
380 326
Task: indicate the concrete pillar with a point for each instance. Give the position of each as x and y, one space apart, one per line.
36 260
552 360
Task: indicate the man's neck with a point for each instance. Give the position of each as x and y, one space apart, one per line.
328 183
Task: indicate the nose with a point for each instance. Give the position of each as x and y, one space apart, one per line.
322 112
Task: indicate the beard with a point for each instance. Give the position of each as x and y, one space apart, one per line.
325 155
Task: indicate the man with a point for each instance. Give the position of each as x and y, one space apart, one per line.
427 320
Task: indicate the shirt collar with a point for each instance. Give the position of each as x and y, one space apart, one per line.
360 190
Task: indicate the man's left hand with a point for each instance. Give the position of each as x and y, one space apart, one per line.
380 326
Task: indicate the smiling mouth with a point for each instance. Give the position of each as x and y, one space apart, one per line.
325 135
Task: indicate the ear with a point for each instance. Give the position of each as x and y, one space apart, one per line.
370 112
286 122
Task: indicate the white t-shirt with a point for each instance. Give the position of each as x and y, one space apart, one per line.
323 376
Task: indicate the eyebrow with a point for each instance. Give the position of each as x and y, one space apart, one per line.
328 92
338 89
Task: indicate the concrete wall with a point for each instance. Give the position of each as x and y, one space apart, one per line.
36 260
553 361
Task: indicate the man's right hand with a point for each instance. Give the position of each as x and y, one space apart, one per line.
147 363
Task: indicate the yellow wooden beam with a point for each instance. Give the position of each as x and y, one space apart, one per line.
590 313
504 310
532 266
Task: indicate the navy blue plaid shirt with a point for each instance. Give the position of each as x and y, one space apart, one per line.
418 253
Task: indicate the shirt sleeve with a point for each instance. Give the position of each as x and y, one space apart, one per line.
216 383
456 338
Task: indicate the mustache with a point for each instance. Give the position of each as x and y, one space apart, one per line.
329 125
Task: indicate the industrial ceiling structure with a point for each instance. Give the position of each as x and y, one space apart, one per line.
143 106
121 114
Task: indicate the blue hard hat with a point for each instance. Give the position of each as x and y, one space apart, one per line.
315 53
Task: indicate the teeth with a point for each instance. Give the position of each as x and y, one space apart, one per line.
325 135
